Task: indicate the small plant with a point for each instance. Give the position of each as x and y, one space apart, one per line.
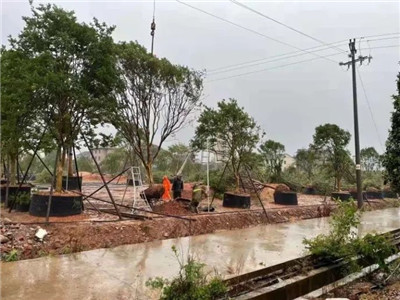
191 283
23 198
343 243
13 255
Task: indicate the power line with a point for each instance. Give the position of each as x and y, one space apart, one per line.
252 31
276 67
283 55
369 108
284 25
381 47
256 63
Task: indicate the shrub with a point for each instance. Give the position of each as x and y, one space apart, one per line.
43 177
191 283
343 243
13 255
23 198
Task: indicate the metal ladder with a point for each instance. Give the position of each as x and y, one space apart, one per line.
139 197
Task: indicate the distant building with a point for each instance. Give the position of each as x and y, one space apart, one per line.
288 161
99 153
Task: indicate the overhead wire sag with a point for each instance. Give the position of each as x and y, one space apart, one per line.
252 31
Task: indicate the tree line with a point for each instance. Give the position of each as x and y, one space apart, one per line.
63 80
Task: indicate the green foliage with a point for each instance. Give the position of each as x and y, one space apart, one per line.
76 72
18 112
273 154
13 255
43 177
85 164
343 243
370 159
330 141
230 133
307 161
391 160
154 102
191 283
114 162
373 249
23 198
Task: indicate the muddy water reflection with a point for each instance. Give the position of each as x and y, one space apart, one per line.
121 272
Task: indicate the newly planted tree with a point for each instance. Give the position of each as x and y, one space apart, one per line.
230 133
392 155
76 63
17 106
331 141
154 102
307 161
273 154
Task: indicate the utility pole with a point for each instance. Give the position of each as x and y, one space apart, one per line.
352 63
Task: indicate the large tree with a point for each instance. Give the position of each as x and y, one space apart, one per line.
307 161
230 133
155 101
77 69
273 154
18 112
331 141
370 159
392 155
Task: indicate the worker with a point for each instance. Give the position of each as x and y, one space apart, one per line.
197 195
167 188
177 186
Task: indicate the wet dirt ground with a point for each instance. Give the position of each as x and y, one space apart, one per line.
121 272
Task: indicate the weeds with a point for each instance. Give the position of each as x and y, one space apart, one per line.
191 283
13 255
343 243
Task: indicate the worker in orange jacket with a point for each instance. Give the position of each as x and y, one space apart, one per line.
167 188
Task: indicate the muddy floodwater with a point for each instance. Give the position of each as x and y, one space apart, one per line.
121 272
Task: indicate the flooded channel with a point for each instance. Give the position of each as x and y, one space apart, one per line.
121 272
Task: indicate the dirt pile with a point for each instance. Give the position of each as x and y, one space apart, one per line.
175 208
268 191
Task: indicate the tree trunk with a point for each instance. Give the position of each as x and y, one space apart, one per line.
237 181
339 185
149 171
60 169
13 169
70 169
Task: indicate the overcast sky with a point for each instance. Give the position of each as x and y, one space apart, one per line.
287 101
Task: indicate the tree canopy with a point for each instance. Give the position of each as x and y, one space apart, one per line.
331 141
370 159
230 133
154 101
77 69
18 112
273 154
392 156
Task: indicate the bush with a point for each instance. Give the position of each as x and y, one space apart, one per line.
23 198
343 243
191 283
43 177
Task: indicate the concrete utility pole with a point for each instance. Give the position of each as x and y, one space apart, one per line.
360 59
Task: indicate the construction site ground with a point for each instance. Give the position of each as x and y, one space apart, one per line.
92 230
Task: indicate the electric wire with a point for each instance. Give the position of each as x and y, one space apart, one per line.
284 56
370 109
285 25
272 68
256 63
252 31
